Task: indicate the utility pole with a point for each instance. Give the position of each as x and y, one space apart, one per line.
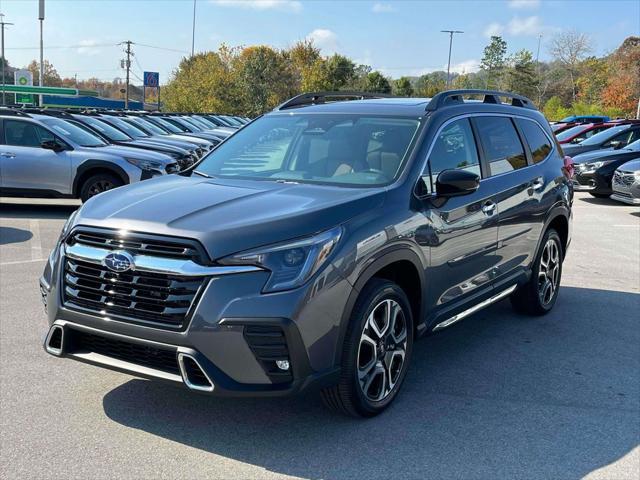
127 64
41 18
451 33
193 29
2 24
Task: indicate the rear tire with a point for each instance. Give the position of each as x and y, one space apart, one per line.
599 195
376 352
98 183
539 294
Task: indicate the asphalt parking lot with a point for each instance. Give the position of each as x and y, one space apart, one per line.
496 396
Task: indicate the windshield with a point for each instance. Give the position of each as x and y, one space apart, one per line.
570 132
131 130
206 123
232 121
189 124
168 125
147 126
635 146
106 129
598 138
73 133
336 149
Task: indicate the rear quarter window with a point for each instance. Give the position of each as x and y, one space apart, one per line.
539 144
501 144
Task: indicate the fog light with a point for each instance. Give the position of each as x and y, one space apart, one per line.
282 364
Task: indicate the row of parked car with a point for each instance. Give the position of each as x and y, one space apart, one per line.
606 155
73 154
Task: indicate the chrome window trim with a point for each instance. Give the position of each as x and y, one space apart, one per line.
471 115
156 264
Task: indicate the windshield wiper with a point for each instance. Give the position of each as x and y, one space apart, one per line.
202 174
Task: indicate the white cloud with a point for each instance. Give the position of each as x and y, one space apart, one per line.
518 26
494 29
525 26
521 4
467 66
325 39
382 7
285 5
87 47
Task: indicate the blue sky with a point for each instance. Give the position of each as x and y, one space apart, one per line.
397 37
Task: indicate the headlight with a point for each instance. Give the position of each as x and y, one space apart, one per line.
592 167
145 164
291 263
636 175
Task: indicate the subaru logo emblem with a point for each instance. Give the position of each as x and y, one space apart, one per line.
119 261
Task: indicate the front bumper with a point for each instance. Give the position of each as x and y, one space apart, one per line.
629 194
592 182
218 336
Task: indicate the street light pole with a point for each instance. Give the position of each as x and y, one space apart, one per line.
193 29
2 24
451 33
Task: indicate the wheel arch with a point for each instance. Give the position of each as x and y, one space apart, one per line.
558 219
94 167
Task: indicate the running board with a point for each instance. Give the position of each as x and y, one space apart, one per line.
475 308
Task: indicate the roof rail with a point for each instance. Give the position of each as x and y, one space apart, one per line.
455 97
13 111
316 98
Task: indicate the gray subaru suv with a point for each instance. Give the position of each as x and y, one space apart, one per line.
44 156
312 247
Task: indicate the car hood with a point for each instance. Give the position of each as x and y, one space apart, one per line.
151 145
139 153
227 216
598 155
632 166
573 150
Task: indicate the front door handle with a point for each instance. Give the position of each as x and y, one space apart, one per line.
7 155
488 207
538 184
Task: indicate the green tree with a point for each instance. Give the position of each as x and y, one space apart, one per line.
402 87
376 82
520 76
341 72
493 61
431 84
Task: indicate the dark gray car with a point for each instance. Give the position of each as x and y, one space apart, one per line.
313 246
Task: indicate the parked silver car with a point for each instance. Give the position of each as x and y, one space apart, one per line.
44 156
626 183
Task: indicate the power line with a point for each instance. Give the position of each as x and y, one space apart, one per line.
60 47
162 48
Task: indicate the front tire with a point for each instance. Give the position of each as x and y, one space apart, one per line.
376 351
97 184
539 294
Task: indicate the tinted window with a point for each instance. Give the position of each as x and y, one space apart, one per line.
106 129
25 134
539 143
129 129
601 137
325 148
454 148
623 139
501 143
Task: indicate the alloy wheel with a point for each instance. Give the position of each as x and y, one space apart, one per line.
99 187
549 271
382 350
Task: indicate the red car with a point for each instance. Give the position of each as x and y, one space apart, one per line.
578 133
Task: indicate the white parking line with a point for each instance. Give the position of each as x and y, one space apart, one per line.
36 240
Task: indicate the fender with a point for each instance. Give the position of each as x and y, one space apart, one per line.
388 256
559 209
101 164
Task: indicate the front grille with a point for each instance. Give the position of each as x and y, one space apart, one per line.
135 245
155 299
144 355
621 178
268 343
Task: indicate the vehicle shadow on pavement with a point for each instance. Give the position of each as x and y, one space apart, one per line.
14 235
36 211
498 395
602 201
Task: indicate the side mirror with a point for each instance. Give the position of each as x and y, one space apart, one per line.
453 183
52 145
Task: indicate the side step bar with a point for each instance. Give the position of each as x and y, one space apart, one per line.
475 308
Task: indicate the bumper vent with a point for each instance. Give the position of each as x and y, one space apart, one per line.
146 356
269 344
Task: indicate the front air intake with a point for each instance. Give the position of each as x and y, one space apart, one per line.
55 340
193 375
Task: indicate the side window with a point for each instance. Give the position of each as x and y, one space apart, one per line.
454 148
620 140
501 143
539 143
25 134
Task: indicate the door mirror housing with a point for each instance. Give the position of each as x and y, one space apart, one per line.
52 145
454 183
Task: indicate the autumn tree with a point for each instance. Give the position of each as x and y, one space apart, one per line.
623 89
430 84
51 76
570 48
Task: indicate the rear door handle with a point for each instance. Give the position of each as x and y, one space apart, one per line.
538 184
488 207
7 155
